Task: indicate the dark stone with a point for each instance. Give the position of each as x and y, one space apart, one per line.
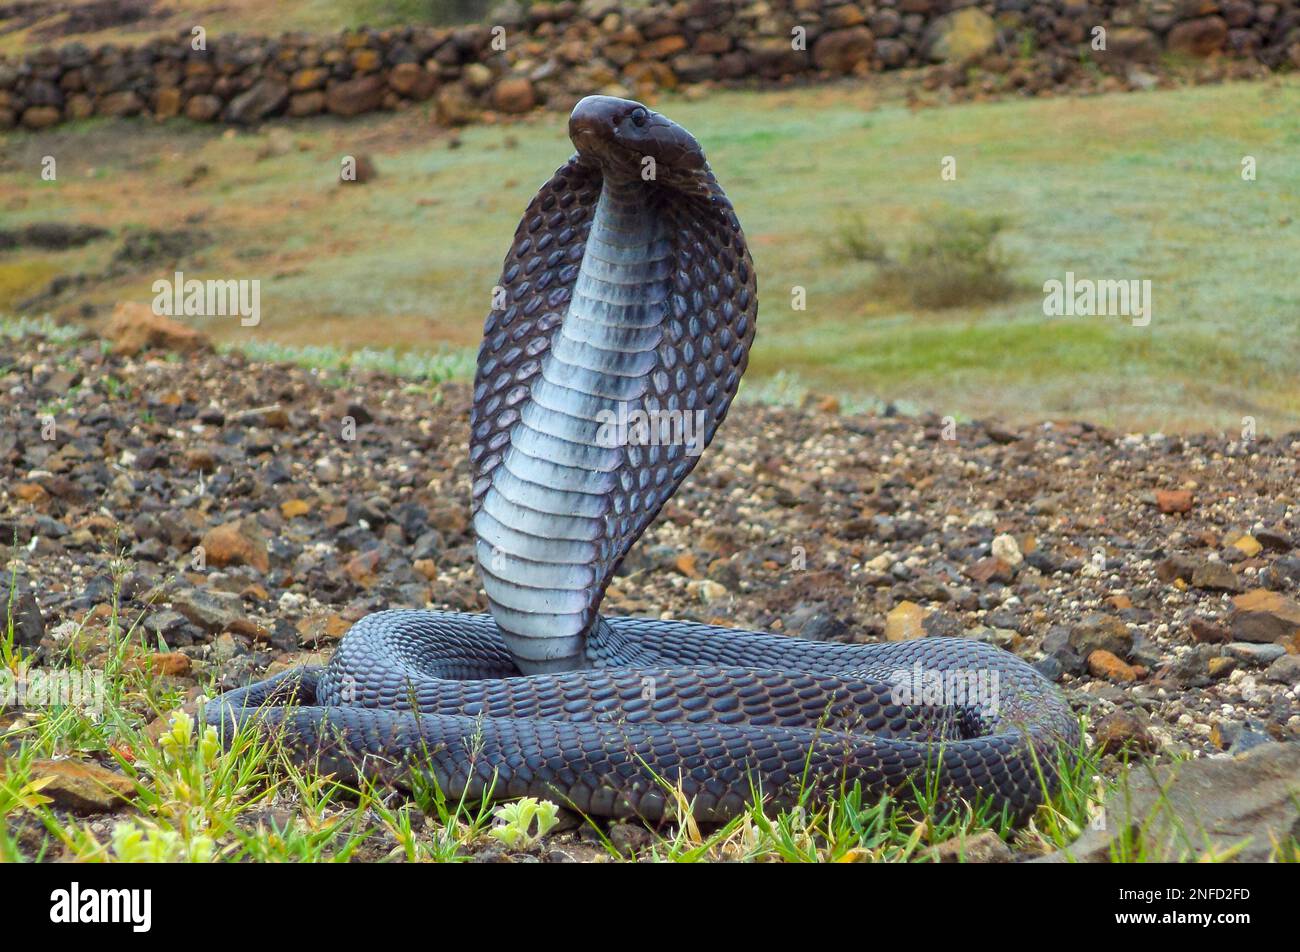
171 628
1204 630
1285 670
823 626
1043 562
1050 668
1101 632
211 611
20 609
1175 567
373 510
359 413
1056 644
941 624
267 97
1215 577
429 545
1276 540
1283 573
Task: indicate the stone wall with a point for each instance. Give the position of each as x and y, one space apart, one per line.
555 52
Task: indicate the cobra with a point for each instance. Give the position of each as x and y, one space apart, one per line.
629 289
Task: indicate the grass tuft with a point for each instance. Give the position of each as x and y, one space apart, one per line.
435 367
954 260
16 328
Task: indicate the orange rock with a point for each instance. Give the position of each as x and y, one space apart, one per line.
167 664
1248 546
316 629
1104 664
366 61
411 79
134 327
514 94
361 567
1173 500
905 622
663 47
80 786
256 592
685 563
33 493
990 568
307 79
40 117
249 629
101 612
292 508
230 544
426 567
167 102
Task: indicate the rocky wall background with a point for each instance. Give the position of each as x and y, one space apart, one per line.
549 54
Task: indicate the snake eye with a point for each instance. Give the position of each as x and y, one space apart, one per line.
638 116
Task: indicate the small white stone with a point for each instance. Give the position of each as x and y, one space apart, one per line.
1007 549
881 563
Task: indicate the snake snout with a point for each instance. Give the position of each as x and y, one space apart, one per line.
593 121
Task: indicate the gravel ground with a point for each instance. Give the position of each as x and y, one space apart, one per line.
255 510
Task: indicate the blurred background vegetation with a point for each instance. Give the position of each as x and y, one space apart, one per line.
99 21
919 291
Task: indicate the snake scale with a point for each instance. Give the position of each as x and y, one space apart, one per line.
629 295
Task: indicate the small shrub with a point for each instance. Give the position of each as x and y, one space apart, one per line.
853 240
954 261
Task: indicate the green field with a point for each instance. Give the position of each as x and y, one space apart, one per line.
1144 186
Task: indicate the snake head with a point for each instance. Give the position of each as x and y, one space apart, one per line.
627 140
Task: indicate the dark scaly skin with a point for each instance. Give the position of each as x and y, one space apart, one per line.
645 706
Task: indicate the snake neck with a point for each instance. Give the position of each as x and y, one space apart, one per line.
544 524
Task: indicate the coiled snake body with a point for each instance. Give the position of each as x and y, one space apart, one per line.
628 313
